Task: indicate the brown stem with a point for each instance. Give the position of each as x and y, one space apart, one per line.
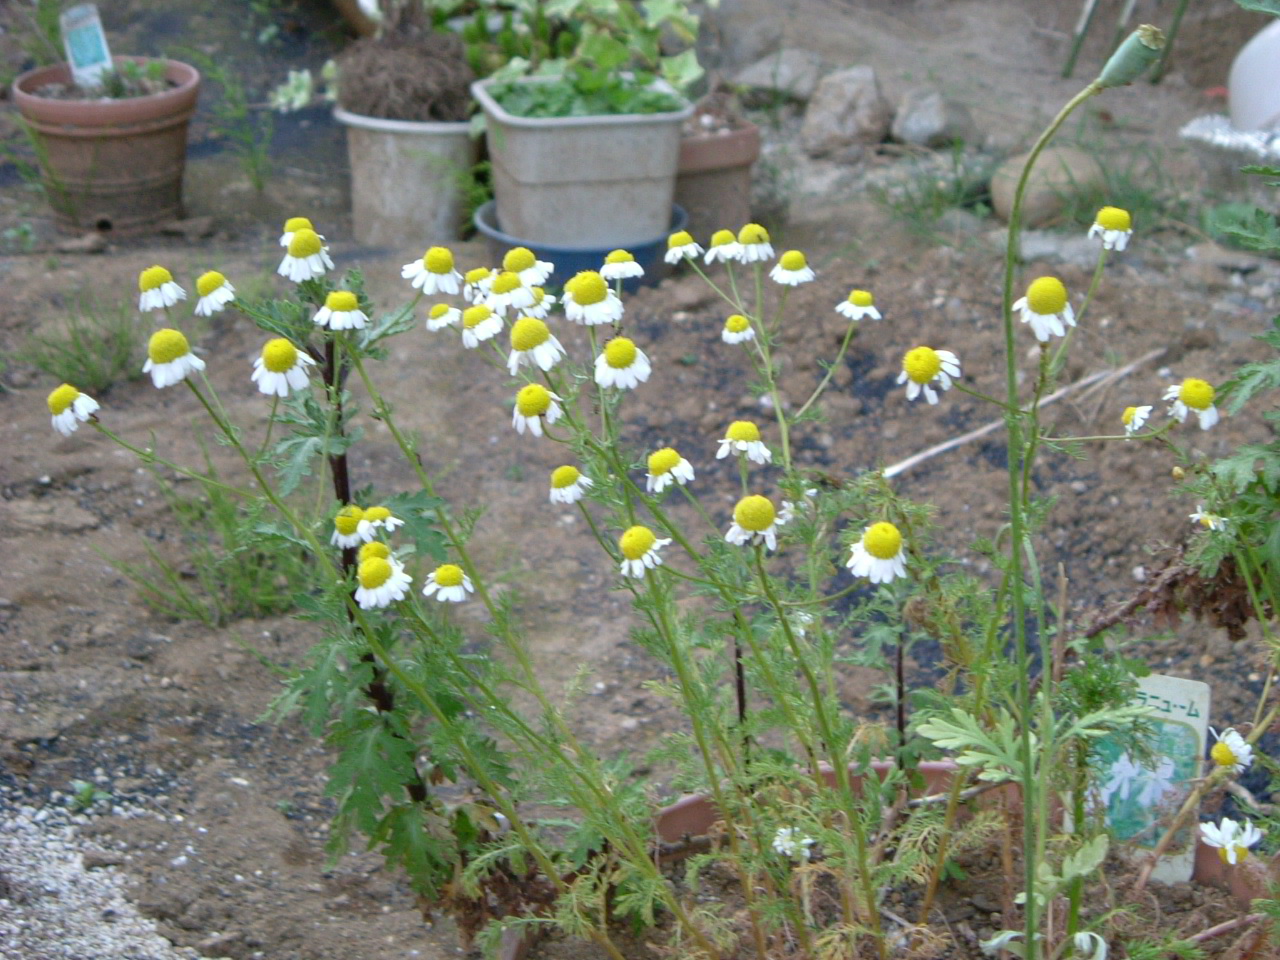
1225 927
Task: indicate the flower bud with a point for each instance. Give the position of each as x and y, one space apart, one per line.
1140 50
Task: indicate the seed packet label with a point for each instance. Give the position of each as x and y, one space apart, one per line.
1140 799
86 44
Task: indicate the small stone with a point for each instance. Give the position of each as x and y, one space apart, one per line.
791 73
97 859
928 119
92 242
193 228
846 111
1058 173
1140 574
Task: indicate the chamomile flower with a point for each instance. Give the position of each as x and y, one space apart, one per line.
380 582
681 245
666 467
620 265
157 289
879 555
532 343
443 315
169 358
476 284
1210 521
1133 419
479 324
1231 839
860 305
535 403
639 548
508 293
306 257
924 368
374 519
622 364
589 300
568 484
215 292
542 303
791 270
743 437
532 271
292 226
724 247
374 548
1045 307
1193 394
753 244
737 329
346 527
434 273
280 368
1114 226
1231 750
756 521
341 311
448 584
70 408
792 844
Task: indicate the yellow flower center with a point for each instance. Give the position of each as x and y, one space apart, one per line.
527 333
474 315
347 519
62 398
588 287
681 238
506 281
538 295
721 237
922 364
792 260
438 260
439 310
1242 853
882 540
743 431
476 275
663 461
279 355
167 346
565 476
753 233
294 224
305 243
737 323
153 277
374 549
754 513
1196 394
1046 296
636 542
209 282
341 301
376 514
533 400
1222 755
374 572
449 575
861 298
1129 413
1207 521
518 259
1114 218
619 256
620 353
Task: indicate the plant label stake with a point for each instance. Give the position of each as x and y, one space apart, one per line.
1139 797
86 44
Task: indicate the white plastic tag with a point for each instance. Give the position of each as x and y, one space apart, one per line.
86 44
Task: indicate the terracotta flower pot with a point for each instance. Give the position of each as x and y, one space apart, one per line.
713 182
111 165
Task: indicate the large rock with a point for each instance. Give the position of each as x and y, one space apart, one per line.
928 119
792 73
1059 173
847 110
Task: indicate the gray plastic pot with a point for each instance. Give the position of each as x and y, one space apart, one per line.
407 179
606 181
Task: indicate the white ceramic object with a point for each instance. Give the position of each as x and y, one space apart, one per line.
1254 83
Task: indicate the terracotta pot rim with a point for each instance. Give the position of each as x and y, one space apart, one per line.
720 151
105 113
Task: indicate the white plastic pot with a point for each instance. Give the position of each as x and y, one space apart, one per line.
407 179
605 181
1253 88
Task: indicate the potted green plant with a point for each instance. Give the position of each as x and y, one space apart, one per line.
111 157
584 145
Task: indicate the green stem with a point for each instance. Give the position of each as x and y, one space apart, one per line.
831 370
149 457
1059 355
